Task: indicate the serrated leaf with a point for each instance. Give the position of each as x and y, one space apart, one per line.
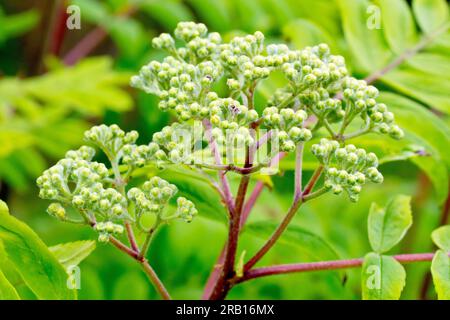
398 24
72 253
307 242
382 278
441 237
37 266
430 14
440 270
387 226
7 291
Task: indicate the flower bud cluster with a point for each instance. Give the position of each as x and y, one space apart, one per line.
322 105
153 196
314 67
346 168
111 139
243 59
360 98
106 229
231 121
178 141
72 170
181 87
288 126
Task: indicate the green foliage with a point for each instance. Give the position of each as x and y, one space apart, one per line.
440 267
383 278
36 114
7 291
38 268
312 245
14 25
387 226
72 253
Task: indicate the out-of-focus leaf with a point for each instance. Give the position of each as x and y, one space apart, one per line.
309 243
72 253
431 90
39 269
93 11
368 47
130 286
128 35
387 226
167 13
422 127
430 14
7 291
440 270
382 278
14 25
432 63
258 20
441 237
215 14
398 24
304 33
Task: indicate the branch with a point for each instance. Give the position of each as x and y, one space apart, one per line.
287 219
324 265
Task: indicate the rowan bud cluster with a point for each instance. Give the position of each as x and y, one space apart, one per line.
359 98
346 168
287 125
154 195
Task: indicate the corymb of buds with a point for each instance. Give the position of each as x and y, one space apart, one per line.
154 195
106 229
287 124
230 121
360 99
346 168
111 139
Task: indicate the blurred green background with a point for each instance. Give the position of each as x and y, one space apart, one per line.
55 83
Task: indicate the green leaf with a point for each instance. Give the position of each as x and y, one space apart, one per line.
398 24
7 291
304 33
72 253
215 14
368 47
440 270
417 84
430 14
167 13
387 226
14 25
441 237
130 286
3 208
432 63
382 278
307 242
424 128
37 266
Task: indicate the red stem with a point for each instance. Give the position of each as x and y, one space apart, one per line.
324 265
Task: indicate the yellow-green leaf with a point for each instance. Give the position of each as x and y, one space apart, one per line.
382 278
72 253
441 237
387 226
7 291
37 266
440 270
430 14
